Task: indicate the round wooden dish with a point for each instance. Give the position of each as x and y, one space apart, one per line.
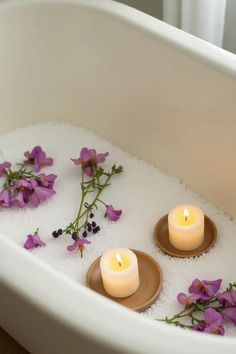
161 236
151 280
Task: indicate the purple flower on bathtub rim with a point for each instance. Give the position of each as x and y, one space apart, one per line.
33 241
3 166
78 245
229 314
205 288
112 214
89 159
37 157
212 323
187 300
228 298
5 198
39 194
213 320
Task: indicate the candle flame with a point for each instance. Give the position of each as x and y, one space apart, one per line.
186 214
119 259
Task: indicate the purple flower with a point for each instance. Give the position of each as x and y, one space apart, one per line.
47 181
89 159
205 288
39 193
38 158
5 198
3 167
33 241
228 298
112 214
213 320
229 314
24 190
200 327
187 300
78 245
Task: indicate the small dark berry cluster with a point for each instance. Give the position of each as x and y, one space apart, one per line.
91 227
57 233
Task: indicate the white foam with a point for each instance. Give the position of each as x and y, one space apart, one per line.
143 192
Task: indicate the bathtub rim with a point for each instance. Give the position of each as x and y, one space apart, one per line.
190 45
17 277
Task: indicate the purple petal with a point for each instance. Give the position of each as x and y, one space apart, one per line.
73 247
182 298
19 200
37 241
85 155
29 243
112 214
23 183
214 329
200 327
48 161
5 198
88 171
101 157
212 316
228 298
3 167
77 161
84 241
206 289
35 201
229 314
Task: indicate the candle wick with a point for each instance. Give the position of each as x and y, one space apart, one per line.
186 218
119 264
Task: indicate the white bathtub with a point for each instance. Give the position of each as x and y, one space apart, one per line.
153 90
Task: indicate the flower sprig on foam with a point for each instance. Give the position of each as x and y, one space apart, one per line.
205 309
25 186
94 180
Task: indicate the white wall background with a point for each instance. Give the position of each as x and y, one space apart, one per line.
155 8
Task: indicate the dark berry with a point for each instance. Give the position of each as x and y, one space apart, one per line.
59 232
91 215
85 234
88 224
96 229
93 224
74 235
55 234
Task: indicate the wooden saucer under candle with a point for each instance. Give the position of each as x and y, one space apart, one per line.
150 276
161 236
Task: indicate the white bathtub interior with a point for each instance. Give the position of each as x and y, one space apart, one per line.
119 73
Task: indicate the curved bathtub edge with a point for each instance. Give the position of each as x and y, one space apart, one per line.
182 41
50 293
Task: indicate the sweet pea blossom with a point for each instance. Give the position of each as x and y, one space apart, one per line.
24 190
88 159
37 157
3 167
212 323
205 288
5 198
33 241
39 193
187 300
78 245
47 181
112 214
228 300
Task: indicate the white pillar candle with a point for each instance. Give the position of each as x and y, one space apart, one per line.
119 270
186 227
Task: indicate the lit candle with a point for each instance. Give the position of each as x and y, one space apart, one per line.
119 270
186 227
